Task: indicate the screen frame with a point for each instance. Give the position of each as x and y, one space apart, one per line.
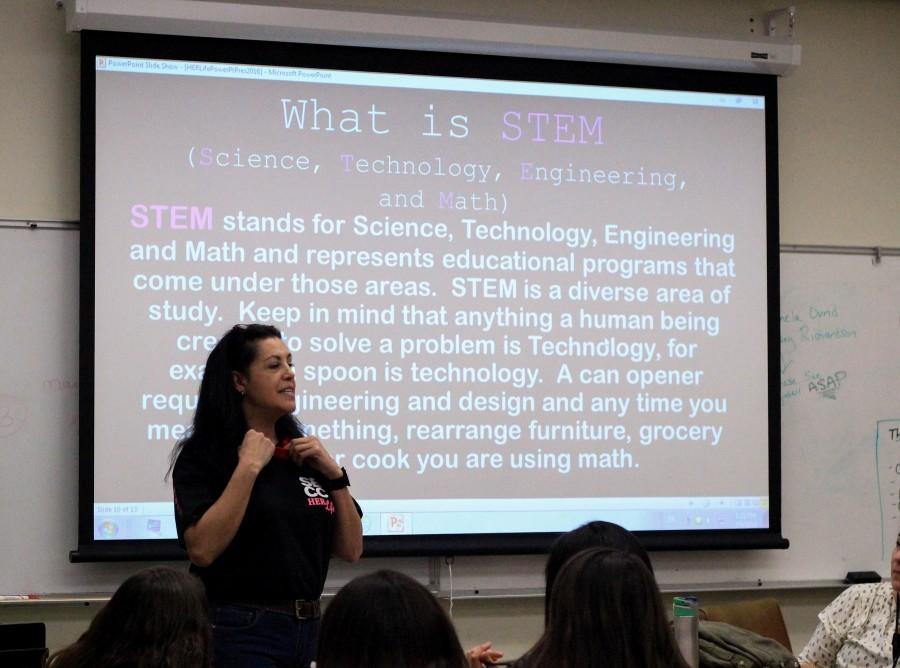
432 63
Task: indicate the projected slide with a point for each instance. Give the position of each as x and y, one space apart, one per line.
512 306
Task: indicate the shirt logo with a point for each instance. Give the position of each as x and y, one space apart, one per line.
316 495
312 488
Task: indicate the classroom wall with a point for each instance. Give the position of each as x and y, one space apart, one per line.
838 136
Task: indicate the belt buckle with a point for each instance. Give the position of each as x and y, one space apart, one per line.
306 609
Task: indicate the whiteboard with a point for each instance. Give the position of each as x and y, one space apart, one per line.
840 355
840 358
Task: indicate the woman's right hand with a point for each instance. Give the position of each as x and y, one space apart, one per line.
216 528
255 450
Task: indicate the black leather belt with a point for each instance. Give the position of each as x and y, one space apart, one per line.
298 609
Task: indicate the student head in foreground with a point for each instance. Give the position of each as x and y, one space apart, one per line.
386 620
592 534
605 612
858 627
157 617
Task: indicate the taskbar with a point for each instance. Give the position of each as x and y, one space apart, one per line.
392 517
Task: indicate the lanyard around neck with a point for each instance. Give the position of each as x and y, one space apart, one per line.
895 641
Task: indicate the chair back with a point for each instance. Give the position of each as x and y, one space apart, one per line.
23 645
762 616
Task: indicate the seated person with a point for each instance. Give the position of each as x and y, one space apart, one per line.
605 612
385 620
157 617
592 534
857 628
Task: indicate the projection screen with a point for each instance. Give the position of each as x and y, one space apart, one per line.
520 294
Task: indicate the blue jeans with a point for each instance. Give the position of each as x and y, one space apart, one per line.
245 637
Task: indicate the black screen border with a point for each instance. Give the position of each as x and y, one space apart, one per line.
136 45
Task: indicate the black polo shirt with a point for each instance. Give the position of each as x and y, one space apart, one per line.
282 548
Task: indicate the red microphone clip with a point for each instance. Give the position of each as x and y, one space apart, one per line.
281 450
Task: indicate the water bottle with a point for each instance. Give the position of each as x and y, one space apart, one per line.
684 613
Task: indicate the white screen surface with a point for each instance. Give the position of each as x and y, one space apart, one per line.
513 306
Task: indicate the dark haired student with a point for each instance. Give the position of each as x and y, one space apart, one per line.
605 612
157 617
259 522
388 620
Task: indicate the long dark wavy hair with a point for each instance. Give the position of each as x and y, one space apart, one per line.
385 620
593 534
156 619
219 423
606 612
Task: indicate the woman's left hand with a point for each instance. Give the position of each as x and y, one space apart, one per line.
309 450
348 541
